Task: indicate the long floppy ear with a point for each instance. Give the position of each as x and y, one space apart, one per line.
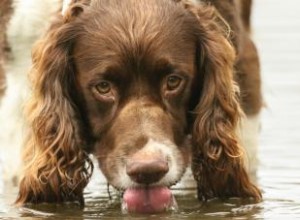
57 167
218 165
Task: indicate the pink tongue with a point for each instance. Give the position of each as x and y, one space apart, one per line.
148 200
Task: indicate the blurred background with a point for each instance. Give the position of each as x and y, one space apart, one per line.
276 32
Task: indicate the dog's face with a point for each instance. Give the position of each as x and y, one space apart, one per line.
134 74
132 81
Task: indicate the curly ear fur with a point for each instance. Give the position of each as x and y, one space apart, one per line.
218 164
57 168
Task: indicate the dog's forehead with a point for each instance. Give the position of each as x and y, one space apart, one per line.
135 29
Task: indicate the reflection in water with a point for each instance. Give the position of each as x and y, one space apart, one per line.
101 207
98 204
276 32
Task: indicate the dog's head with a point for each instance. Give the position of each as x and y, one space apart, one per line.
144 85
135 67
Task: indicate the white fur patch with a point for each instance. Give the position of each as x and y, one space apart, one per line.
31 17
249 132
66 4
29 20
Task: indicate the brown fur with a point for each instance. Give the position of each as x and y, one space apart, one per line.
246 13
238 13
5 14
69 119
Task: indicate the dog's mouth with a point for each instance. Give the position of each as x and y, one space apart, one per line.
148 200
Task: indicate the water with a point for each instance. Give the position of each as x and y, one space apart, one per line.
276 31
99 206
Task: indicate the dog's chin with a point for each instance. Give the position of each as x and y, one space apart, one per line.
148 199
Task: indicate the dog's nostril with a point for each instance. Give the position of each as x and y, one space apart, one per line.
147 171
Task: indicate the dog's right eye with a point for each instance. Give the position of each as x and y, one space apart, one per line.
173 82
104 91
103 87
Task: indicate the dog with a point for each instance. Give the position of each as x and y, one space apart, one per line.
149 88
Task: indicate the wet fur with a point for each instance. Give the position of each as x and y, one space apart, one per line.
57 165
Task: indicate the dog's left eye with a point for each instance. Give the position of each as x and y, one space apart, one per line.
103 87
173 82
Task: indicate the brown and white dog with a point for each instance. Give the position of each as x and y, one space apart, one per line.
149 88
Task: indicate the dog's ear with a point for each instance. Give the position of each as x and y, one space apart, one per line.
57 168
218 164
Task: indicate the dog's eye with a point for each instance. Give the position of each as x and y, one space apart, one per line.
103 87
173 82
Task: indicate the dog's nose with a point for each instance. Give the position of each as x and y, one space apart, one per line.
147 171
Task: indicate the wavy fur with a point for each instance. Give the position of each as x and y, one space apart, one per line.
57 168
218 160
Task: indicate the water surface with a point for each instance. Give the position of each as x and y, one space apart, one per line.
276 31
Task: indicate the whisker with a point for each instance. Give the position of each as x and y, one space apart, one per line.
108 191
